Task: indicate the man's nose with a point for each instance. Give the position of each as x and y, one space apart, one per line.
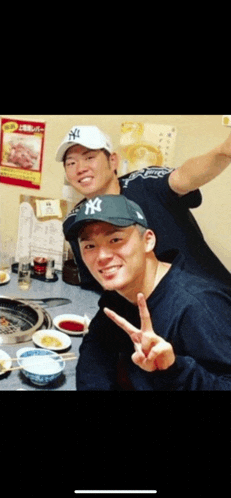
104 255
80 167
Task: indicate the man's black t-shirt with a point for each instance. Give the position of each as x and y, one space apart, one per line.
187 310
169 216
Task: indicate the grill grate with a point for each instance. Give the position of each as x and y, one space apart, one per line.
9 329
19 320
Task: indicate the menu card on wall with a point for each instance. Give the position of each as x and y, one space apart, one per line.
40 230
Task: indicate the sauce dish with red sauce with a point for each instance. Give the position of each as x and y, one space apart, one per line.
72 324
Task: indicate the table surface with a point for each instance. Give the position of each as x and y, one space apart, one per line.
82 302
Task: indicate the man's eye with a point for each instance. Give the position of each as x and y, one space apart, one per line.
116 239
89 246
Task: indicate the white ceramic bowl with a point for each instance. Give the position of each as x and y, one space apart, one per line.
23 350
40 366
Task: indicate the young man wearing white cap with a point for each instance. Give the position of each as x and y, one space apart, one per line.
166 196
180 340
89 161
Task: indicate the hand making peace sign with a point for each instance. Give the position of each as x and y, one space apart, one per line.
152 352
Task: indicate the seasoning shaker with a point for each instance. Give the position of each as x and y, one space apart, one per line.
50 269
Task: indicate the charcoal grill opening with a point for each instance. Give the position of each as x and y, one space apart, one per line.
18 320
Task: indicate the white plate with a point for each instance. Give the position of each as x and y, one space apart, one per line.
6 279
74 318
7 363
39 337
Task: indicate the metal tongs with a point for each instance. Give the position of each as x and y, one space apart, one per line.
48 302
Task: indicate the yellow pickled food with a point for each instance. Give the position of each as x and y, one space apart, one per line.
50 341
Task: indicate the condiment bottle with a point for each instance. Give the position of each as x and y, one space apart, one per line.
40 265
50 268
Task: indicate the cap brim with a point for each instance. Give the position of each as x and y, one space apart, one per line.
76 227
63 148
67 145
61 151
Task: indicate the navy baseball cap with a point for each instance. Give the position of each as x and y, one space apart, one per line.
114 209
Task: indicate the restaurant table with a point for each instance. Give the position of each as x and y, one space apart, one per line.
83 301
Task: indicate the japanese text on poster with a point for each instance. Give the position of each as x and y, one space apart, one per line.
39 233
146 144
21 152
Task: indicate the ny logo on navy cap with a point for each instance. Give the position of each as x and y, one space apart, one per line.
93 206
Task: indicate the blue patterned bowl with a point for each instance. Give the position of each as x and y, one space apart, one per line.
41 366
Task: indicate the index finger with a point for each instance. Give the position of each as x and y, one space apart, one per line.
132 331
146 322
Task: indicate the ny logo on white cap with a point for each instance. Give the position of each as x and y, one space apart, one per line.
74 133
93 206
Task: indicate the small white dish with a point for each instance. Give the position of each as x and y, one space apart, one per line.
51 339
4 277
5 361
71 325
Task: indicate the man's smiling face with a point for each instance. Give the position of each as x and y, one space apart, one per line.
89 171
114 255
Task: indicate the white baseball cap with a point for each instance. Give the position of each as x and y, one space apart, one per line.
88 136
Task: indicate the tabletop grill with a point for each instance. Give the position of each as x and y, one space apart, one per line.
20 319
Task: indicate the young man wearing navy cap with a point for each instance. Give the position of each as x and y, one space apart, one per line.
166 196
171 329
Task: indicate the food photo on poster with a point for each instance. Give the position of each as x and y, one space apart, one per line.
21 152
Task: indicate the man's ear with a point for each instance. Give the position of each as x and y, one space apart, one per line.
114 161
150 240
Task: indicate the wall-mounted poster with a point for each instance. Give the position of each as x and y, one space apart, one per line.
146 144
40 231
21 152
